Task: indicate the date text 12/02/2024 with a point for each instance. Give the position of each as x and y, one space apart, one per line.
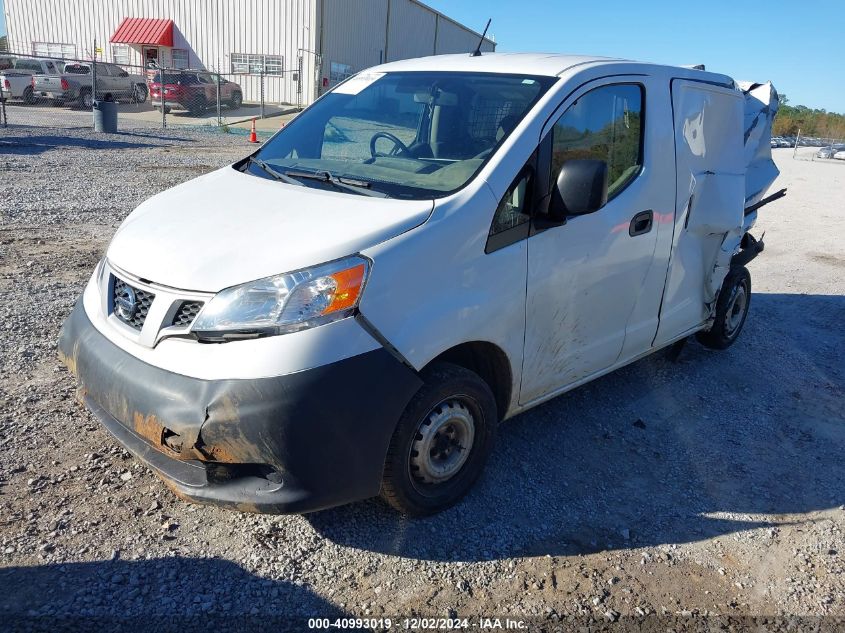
418 624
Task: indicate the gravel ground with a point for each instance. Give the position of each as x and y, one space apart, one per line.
665 492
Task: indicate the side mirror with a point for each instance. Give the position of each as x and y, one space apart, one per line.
581 188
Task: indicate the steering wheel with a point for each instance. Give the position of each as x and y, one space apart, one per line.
399 147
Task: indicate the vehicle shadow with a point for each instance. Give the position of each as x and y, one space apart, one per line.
33 145
161 594
655 453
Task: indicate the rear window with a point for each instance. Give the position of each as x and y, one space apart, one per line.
175 78
27 64
77 69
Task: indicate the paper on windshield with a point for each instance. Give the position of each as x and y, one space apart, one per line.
357 83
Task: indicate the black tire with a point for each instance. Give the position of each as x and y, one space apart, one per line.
197 106
731 310
86 101
237 100
139 93
449 395
29 96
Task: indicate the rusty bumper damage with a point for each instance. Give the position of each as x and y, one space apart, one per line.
295 443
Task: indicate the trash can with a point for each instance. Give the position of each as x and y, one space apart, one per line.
105 116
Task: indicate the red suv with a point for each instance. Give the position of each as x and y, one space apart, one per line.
193 91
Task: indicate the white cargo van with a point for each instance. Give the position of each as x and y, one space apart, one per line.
432 247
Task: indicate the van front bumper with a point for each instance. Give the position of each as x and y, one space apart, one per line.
287 444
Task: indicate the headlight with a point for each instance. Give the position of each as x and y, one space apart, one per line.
284 303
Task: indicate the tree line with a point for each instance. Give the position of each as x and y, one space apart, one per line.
811 122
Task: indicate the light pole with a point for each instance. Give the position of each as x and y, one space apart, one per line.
317 63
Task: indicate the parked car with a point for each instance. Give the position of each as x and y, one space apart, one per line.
73 85
193 91
828 152
353 309
17 80
840 155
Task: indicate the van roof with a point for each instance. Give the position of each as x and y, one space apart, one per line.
548 64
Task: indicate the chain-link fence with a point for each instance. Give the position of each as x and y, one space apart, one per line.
41 91
812 148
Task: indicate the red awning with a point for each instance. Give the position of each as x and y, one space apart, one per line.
144 31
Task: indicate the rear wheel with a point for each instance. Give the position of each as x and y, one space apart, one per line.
86 100
441 443
731 310
28 95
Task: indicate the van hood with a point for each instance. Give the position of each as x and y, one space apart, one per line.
226 228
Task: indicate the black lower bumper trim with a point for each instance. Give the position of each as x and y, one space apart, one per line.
323 431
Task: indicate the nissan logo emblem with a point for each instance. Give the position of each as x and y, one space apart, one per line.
125 303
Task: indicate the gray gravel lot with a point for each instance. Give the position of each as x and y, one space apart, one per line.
712 485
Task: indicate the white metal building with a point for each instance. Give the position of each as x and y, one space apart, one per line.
332 38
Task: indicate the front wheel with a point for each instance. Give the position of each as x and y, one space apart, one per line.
197 106
237 100
140 93
441 443
731 310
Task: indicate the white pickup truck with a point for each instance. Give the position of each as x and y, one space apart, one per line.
16 81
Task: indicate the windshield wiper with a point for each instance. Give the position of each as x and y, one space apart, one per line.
276 174
350 184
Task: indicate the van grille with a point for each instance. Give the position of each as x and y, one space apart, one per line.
186 313
143 301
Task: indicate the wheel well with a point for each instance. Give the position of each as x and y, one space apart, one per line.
488 361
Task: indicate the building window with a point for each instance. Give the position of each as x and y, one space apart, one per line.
120 54
180 58
246 64
53 49
339 72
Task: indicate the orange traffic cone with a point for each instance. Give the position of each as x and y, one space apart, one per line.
253 138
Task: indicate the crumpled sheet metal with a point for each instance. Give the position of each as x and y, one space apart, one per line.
761 106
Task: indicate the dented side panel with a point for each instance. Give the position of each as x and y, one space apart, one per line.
709 203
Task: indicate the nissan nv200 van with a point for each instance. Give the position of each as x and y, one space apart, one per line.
432 247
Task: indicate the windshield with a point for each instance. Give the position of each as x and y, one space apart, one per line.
407 134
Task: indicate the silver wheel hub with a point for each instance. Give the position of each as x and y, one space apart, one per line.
736 310
442 443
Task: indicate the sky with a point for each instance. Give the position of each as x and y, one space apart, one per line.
796 45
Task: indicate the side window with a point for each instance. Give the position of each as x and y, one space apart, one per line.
605 124
513 209
511 222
